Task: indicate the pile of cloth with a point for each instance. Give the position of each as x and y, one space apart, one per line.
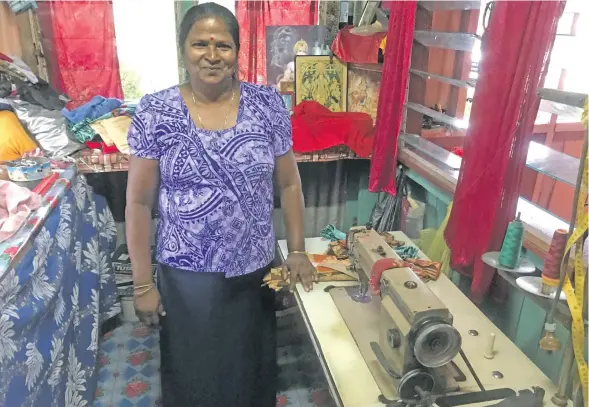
33 115
29 114
102 123
335 264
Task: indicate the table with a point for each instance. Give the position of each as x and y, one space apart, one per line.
351 382
56 289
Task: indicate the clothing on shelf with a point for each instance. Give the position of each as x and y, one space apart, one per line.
114 131
40 93
16 203
18 69
92 110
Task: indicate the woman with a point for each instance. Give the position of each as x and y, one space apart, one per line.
209 148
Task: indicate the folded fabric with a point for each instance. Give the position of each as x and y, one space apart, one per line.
315 128
14 140
115 131
16 203
92 110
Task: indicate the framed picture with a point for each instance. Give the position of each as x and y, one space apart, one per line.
363 89
323 79
288 99
283 44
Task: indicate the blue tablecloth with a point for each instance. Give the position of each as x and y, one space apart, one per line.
53 302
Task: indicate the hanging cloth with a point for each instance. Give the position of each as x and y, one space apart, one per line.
389 114
515 55
253 17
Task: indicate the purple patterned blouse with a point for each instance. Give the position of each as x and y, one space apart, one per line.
216 193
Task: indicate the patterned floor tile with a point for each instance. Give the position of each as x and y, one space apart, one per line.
129 369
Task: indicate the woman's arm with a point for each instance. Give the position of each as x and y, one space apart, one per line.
291 197
141 192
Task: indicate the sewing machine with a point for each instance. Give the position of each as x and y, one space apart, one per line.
417 341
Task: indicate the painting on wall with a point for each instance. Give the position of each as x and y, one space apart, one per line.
283 44
323 79
363 90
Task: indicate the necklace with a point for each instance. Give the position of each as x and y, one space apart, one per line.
226 114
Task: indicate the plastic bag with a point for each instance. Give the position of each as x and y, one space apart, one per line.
47 127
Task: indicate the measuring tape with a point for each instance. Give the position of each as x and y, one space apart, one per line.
574 296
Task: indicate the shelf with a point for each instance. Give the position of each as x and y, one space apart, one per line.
552 163
455 41
450 5
560 109
431 151
442 118
572 99
451 81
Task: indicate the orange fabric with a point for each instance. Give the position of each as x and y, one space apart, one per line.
14 141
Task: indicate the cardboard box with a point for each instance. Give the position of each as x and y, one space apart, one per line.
121 262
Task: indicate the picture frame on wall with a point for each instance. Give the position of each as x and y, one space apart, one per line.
289 100
323 79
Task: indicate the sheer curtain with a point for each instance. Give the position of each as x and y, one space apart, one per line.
515 54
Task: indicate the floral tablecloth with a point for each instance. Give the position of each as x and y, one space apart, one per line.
52 302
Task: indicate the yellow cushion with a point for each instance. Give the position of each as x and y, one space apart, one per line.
14 140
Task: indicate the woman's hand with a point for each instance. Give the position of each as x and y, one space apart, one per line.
298 266
148 308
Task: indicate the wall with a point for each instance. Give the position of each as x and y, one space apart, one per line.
9 37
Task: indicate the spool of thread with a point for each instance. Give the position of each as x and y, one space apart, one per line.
512 244
553 260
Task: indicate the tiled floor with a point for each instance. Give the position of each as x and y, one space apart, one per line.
129 368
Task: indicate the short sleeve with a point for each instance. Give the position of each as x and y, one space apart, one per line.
281 125
141 137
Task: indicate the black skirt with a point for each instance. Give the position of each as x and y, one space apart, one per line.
218 340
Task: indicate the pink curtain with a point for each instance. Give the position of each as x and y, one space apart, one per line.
515 55
82 38
392 96
253 17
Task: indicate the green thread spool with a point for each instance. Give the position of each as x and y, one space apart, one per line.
512 244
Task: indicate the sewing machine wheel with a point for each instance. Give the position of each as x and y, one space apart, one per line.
406 389
436 344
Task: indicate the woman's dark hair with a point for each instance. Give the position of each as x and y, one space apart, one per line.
207 10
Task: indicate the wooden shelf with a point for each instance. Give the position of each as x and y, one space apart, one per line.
449 120
450 5
447 40
451 81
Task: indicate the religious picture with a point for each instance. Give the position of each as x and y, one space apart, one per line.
283 44
363 90
322 79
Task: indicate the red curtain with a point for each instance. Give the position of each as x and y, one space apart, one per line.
82 39
392 96
253 17
515 54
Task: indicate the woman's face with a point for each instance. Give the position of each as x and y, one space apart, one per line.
209 51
